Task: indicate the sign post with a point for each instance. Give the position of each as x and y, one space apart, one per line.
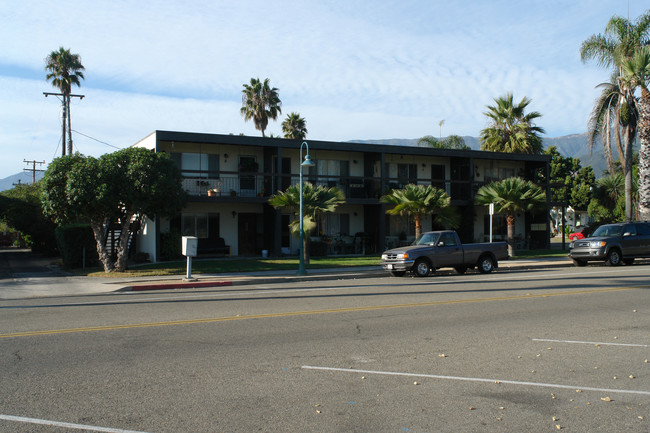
491 214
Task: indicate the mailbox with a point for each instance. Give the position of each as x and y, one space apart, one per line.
190 245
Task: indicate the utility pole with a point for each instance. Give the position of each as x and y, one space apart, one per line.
33 169
65 105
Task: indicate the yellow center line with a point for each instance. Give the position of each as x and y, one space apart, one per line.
309 312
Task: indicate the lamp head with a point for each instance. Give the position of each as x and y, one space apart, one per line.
308 162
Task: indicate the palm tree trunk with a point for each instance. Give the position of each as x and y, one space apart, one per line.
629 205
305 249
644 155
511 234
418 227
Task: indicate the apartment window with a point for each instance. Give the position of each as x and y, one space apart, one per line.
334 225
195 224
204 165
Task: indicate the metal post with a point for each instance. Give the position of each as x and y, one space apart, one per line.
309 163
188 273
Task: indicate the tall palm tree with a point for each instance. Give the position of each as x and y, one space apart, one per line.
65 69
420 200
620 41
260 102
294 127
316 200
636 72
510 129
510 196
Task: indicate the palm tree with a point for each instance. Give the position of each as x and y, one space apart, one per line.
511 196
451 142
65 69
636 72
618 44
260 102
294 127
420 200
510 129
316 200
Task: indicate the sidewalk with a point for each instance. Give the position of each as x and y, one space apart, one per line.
27 275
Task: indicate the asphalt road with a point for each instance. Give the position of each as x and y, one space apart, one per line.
532 351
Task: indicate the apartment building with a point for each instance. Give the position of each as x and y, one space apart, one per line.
229 179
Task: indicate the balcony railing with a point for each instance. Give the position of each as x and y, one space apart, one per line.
244 184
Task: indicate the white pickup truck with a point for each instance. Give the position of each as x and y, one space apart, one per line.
443 249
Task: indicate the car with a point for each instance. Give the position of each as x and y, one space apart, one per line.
583 232
614 244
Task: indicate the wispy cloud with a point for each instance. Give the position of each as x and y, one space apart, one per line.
354 70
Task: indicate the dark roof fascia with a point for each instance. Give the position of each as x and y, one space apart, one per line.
245 140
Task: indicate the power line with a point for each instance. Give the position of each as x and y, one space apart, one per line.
99 141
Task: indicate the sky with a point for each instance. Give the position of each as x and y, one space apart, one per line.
353 69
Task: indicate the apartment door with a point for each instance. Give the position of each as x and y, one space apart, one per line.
247 234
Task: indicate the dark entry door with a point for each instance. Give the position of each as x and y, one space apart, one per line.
247 234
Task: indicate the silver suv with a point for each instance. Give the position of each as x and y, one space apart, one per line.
614 243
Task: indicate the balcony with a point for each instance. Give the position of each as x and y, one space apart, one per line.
258 184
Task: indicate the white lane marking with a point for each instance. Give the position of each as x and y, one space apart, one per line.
65 424
595 343
477 379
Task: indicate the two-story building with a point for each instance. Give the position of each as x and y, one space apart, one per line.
229 179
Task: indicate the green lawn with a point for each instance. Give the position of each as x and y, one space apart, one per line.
229 265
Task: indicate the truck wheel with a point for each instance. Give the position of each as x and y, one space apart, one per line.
397 273
421 268
461 269
613 258
579 262
485 264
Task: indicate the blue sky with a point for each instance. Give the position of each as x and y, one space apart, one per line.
353 69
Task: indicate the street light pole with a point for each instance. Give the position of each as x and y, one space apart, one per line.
308 163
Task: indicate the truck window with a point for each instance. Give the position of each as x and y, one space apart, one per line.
449 239
426 239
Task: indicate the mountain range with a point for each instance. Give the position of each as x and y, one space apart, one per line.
575 145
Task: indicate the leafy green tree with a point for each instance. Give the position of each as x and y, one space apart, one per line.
316 200
570 182
65 69
511 196
582 188
451 142
511 130
119 187
294 127
260 102
418 201
636 73
615 111
20 208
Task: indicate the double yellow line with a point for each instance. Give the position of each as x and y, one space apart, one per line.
309 312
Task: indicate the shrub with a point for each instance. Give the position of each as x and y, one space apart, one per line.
71 240
170 246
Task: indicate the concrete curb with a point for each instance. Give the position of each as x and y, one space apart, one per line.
321 274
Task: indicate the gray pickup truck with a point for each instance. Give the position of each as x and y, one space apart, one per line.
613 243
443 249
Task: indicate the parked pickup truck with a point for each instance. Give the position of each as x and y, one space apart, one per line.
613 243
443 249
